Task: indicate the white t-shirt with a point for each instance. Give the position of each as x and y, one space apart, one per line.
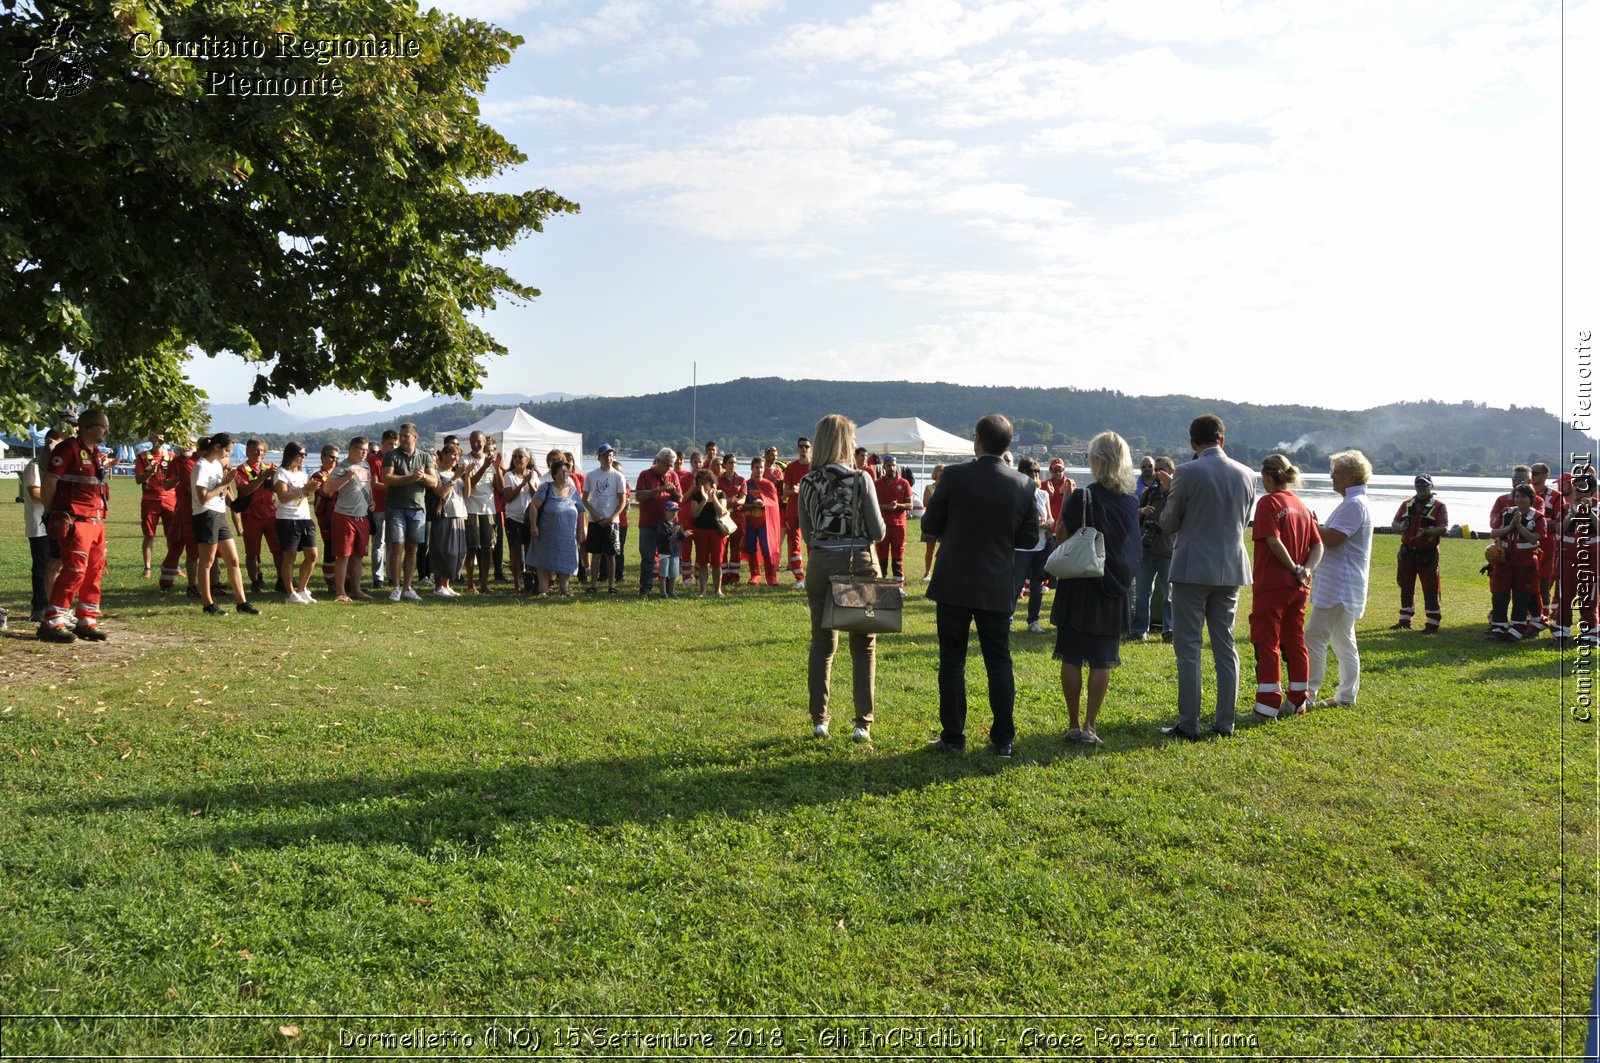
208 474
32 512
481 502
517 508
354 499
455 503
1341 579
296 479
604 489
1041 509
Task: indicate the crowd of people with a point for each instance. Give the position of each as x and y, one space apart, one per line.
1177 546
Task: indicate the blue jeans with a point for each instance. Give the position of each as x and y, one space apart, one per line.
955 624
405 526
1151 575
1027 566
647 558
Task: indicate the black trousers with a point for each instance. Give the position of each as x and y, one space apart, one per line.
994 639
39 547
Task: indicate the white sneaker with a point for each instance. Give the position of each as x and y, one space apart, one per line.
305 596
820 730
1036 628
441 592
293 598
394 595
799 584
927 577
861 734
410 595
425 581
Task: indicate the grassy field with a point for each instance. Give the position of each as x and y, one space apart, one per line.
238 829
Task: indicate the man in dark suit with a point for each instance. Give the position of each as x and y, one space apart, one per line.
981 512
1207 508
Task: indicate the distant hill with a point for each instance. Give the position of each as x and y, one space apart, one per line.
238 418
747 414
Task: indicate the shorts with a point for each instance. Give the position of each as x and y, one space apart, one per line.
296 535
405 526
212 527
603 539
480 531
1091 651
351 536
517 536
153 517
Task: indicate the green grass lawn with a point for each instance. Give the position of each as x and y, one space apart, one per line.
501 807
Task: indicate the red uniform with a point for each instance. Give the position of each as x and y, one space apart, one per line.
322 510
762 530
1419 558
684 478
733 487
77 522
892 549
261 517
1578 579
1517 580
793 473
157 500
1058 496
1278 602
1554 504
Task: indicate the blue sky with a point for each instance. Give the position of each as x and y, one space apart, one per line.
1338 203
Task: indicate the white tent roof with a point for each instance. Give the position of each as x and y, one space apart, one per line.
910 435
515 428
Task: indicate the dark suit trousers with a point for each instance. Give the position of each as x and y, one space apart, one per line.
994 639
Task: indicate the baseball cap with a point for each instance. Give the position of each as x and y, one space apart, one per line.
670 507
606 448
1057 463
1423 480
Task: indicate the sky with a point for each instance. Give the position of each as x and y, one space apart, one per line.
1341 204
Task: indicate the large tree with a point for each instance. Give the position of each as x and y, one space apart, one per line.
149 209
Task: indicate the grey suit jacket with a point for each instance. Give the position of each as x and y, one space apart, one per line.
982 512
1210 505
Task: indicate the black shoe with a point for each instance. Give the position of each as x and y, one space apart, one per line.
215 610
1177 732
56 634
1166 637
193 591
89 634
257 586
1002 750
939 745
247 608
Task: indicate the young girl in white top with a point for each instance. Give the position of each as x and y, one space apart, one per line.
211 527
447 539
297 532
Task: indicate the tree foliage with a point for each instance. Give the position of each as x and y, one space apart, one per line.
333 240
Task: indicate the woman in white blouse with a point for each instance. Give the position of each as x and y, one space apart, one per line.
212 529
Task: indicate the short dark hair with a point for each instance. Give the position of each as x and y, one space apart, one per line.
803 440
388 434
358 441
1206 429
994 433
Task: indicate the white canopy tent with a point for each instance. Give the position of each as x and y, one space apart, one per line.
910 435
515 427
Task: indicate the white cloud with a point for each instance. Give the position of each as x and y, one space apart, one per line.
901 31
557 110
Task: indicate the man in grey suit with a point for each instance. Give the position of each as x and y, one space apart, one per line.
1208 509
982 511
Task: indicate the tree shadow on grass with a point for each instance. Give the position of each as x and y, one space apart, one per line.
475 805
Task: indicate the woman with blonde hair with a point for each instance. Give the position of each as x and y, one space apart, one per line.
1339 596
1288 550
840 521
1090 614
931 540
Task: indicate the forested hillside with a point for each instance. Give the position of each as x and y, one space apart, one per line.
746 414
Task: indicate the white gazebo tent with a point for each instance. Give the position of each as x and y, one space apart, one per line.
515 427
910 435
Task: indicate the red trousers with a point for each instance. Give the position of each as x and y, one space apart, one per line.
83 562
759 552
255 528
892 547
791 540
1516 587
1407 573
1277 629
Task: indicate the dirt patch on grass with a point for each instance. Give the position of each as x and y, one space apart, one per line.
24 659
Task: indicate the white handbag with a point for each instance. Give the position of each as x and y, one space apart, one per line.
1082 555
